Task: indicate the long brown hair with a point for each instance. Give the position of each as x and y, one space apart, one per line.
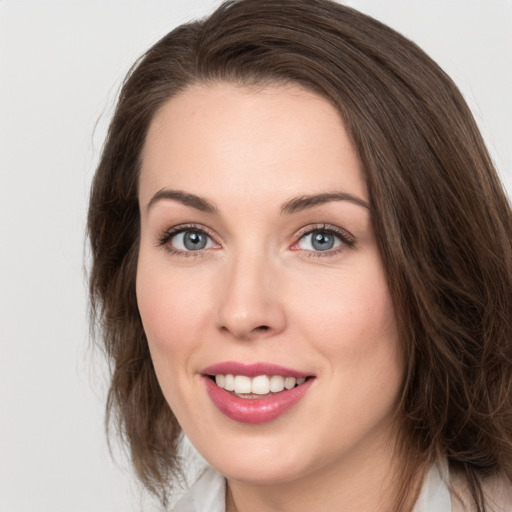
442 220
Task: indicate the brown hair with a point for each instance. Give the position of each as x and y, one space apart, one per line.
442 221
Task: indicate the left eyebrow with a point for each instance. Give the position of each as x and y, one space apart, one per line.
185 198
298 204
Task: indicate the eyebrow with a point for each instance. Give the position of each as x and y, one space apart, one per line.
301 203
185 198
294 205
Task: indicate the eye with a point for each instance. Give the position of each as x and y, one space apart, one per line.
185 240
319 240
323 239
191 241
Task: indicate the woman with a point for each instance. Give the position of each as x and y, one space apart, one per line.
302 259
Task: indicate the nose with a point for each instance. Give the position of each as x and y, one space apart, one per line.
249 302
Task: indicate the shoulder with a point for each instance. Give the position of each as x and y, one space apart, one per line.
497 490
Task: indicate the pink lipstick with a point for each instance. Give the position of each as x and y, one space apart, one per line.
255 393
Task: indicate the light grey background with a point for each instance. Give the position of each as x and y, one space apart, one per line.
61 63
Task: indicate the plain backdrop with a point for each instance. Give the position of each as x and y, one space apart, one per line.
61 63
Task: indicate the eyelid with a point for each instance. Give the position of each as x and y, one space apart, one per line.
347 239
165 236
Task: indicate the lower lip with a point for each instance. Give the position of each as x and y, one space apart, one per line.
255 410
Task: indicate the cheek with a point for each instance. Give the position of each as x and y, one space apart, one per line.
171 305
350 320
351 311
155 303
170 312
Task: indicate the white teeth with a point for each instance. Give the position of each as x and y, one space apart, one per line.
290 382
242 384
260 385
229 383
276 383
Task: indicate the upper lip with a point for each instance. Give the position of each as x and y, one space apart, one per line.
253 369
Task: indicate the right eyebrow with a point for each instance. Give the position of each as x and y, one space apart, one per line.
298 204
199 203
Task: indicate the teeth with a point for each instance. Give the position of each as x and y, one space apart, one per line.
276 383
229 383
260 385
290 382
242 384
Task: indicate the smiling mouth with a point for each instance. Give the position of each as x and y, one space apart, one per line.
255 393
259 386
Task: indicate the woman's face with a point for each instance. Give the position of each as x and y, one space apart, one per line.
259 267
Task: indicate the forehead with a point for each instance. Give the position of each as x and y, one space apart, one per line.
222 138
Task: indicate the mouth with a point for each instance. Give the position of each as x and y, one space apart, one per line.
255 393
260 386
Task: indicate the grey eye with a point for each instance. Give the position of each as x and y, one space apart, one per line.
319 240
191 241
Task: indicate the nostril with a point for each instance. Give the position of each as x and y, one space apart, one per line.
262 328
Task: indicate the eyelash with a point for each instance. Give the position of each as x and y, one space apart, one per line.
346 239
168 235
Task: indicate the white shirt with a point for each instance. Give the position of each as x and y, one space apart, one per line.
208 493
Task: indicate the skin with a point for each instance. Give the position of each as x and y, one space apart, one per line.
259 292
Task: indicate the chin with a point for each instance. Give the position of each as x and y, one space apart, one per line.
258 460
267 472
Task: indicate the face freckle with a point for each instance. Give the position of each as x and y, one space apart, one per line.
258 292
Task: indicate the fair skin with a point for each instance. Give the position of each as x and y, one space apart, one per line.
249 274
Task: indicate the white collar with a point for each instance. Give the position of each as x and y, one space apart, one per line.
435 495
208 493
